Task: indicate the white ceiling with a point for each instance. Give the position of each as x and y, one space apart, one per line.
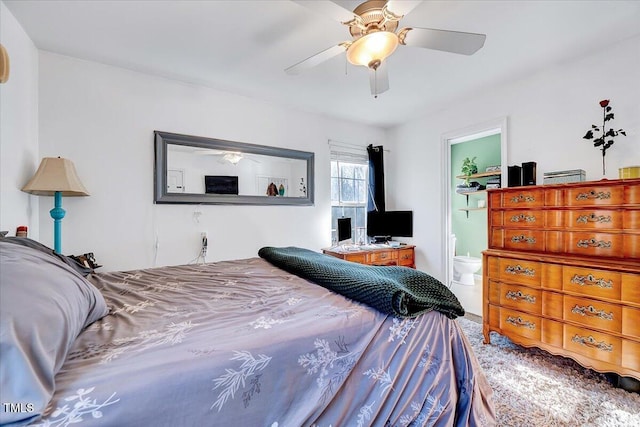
243 47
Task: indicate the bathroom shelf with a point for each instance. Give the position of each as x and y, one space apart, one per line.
480 175
472 209
467 193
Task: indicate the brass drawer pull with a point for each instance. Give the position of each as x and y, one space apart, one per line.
591 311
584 219
591 342
590 280
523 239
518 269
522 198
519 296
520 322
593 243
523 218
599 195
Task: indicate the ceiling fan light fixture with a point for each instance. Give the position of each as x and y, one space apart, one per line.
371 48
233 157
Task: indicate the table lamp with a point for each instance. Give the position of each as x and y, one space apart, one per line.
56 177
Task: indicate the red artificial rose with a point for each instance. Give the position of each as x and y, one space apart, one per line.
604 103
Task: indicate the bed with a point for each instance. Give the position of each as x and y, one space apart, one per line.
240 342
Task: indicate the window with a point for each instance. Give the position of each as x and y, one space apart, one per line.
349 176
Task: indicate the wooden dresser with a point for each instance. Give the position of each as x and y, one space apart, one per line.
403 255
562 271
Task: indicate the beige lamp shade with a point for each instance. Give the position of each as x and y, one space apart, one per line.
56 174
4 65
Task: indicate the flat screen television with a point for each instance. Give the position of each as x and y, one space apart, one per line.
390 224
344 229
219 184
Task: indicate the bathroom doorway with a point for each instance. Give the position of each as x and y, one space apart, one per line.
465 213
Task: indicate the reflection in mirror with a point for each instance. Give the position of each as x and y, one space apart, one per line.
209 171
193 169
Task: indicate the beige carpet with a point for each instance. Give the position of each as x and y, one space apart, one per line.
533 388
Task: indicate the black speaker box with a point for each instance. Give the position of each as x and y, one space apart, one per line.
514 176
529 173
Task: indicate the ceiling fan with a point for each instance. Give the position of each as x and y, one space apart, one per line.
232 157
374 28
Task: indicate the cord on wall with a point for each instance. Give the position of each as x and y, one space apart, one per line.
156 246
202 255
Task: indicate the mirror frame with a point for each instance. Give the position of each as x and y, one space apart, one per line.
162 139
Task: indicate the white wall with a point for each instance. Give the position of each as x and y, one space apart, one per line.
103 118
548 113
19 156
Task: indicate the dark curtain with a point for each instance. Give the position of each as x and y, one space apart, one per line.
375 195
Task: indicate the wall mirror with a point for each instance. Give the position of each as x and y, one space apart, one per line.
197 170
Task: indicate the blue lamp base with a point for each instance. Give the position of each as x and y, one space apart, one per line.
57 213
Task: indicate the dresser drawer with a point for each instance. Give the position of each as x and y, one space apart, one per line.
594 219
383 258
554 218
593 313
494 316
553 305
593 282
630 288
520 271
552 332
632 194
631 246
491 267
594 244
494 292
524 240
360 258
597 345
595 195
406 257
526 219
496 238
631 219
631 322
521 298
518 323
523 198
631 355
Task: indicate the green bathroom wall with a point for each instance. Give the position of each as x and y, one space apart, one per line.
471 232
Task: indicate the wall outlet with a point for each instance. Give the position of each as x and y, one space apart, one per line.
204 243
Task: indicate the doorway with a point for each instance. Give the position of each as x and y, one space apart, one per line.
175 181
465 212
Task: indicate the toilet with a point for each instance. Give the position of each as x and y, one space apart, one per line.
464 266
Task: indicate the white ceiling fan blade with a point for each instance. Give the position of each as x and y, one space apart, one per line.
379 79
448 41
402 7
328 9
316 59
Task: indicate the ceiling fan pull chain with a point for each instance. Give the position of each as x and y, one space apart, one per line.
375 83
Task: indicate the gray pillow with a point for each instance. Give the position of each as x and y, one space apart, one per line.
44 305
25 241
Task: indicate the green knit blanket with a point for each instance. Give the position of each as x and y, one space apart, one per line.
400 291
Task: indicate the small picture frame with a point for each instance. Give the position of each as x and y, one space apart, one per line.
492 168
